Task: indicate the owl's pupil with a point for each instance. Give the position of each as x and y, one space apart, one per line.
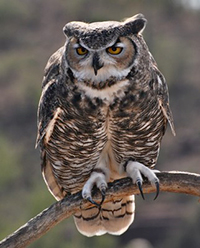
81 50
114 48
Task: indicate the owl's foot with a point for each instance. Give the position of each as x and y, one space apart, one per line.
97 178
135 170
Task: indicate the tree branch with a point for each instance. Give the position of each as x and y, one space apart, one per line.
176 182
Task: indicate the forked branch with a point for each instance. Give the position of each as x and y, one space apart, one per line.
176 182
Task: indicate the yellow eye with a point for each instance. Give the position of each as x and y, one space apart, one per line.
114 50
81 51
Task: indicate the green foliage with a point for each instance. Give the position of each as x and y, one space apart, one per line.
9 158
10 171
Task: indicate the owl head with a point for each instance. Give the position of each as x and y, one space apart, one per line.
102 50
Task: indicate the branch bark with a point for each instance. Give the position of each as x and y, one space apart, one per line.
176 182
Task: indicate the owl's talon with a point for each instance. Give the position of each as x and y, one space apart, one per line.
139 184
103 192
93 202
98 179
103 195
157 189
135 170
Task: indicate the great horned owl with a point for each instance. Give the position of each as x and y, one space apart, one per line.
103 111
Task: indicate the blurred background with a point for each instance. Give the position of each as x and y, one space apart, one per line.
30 31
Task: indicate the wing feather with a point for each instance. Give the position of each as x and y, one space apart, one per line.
50 180
163 98
49 101
48 111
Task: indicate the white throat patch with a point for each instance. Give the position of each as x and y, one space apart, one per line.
108 93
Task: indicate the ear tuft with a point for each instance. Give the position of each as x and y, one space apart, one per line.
136 24
68 30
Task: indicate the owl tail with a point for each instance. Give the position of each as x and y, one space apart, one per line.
113 217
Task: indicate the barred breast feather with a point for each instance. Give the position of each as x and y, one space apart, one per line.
87 127
73 133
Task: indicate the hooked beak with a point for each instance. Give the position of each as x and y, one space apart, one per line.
96 64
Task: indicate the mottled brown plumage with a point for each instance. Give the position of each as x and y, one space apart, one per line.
101 117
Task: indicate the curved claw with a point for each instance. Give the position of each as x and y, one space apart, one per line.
93 202
139 184
157 189
103 194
